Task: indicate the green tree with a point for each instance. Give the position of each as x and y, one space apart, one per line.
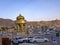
4 28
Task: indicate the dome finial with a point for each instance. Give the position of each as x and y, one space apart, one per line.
20 15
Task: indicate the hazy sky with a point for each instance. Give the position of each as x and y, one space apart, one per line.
32 10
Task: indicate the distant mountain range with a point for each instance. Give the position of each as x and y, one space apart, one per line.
6 22
10 23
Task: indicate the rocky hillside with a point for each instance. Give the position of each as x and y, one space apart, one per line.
6 23
46 23
10 23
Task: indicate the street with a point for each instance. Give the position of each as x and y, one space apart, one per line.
51 37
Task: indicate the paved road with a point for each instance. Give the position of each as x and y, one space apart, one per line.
46 43
28 44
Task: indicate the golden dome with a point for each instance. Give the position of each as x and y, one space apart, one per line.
20 21
20 17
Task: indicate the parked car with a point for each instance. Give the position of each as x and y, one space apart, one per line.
22 39
14 40
40 39
25 39
29 39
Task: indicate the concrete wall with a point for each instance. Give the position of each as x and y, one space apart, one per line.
6 41
0 41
